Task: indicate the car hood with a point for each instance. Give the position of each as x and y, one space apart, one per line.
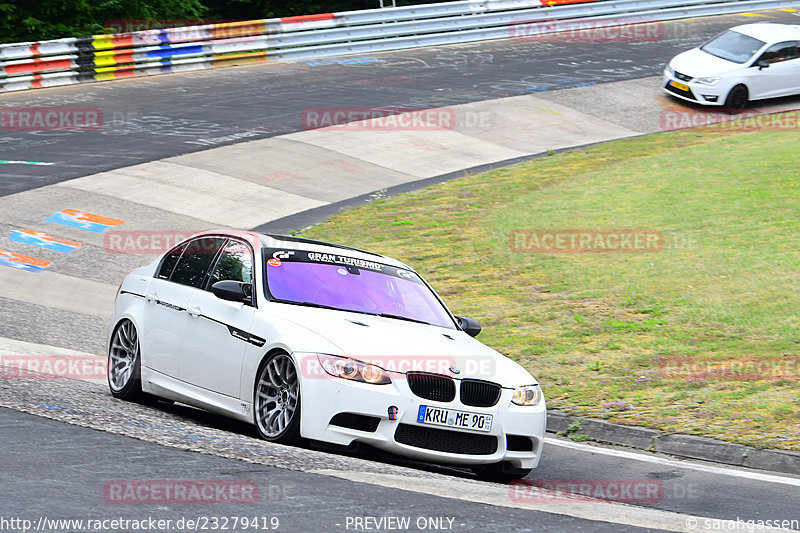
699 64
401 346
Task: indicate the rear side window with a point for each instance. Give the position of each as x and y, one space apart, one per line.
198 256
169 262
780 52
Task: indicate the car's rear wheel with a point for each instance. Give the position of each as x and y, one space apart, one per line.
277 399
124 363
737 98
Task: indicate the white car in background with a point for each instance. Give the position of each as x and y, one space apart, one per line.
324 342
744 63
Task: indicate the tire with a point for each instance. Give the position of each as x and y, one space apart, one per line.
500 472
276 400
125 365
737 99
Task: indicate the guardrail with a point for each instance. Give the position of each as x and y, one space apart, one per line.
144 53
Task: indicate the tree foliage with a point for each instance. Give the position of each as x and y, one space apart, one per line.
38 20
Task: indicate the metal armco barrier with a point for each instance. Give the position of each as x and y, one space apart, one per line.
149 52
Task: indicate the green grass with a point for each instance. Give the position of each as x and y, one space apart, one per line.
636 338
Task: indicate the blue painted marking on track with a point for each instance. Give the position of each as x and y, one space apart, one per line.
42 241
19 265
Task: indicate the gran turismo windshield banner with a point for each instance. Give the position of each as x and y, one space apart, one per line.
340 281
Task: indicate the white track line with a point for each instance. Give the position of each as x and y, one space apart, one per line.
502 496
656 459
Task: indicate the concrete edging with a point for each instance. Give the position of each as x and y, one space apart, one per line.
678 444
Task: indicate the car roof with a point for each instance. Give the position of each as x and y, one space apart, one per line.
770 32
298 243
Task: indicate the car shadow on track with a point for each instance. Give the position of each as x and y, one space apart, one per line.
359 450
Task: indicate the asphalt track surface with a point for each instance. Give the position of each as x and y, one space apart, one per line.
151 118
59 470
86 461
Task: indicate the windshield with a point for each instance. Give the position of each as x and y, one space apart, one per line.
349 284
733 46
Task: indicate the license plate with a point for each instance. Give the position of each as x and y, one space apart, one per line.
679 85
437 416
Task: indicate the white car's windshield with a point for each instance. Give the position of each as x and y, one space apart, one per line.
733 46
349 284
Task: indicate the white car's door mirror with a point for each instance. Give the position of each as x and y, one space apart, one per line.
233 291
470 326
762 64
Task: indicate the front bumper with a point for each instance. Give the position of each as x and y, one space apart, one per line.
711 95
520 428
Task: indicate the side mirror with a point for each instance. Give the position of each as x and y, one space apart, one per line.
233 291
469 326
762 64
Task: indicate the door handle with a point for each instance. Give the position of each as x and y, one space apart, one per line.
194 311
151 297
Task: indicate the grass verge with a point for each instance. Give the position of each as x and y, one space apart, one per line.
700 335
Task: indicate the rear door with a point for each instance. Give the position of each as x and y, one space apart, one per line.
218 331
181 273
781 77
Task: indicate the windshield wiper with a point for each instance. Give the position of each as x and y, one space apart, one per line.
400 317
306 304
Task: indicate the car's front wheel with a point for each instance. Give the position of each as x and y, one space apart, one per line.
277 399
737 98
124 363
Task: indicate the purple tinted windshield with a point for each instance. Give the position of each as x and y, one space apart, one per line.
398 292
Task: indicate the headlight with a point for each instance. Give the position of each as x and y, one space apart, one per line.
706 81
527 395
346 368
669 70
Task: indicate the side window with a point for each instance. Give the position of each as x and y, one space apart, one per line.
780 52
234 263
169 262
193 265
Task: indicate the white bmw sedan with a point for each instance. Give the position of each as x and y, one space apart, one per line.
744 63
325 342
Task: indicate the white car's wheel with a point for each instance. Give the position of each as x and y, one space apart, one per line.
277 399
124 363
737 99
